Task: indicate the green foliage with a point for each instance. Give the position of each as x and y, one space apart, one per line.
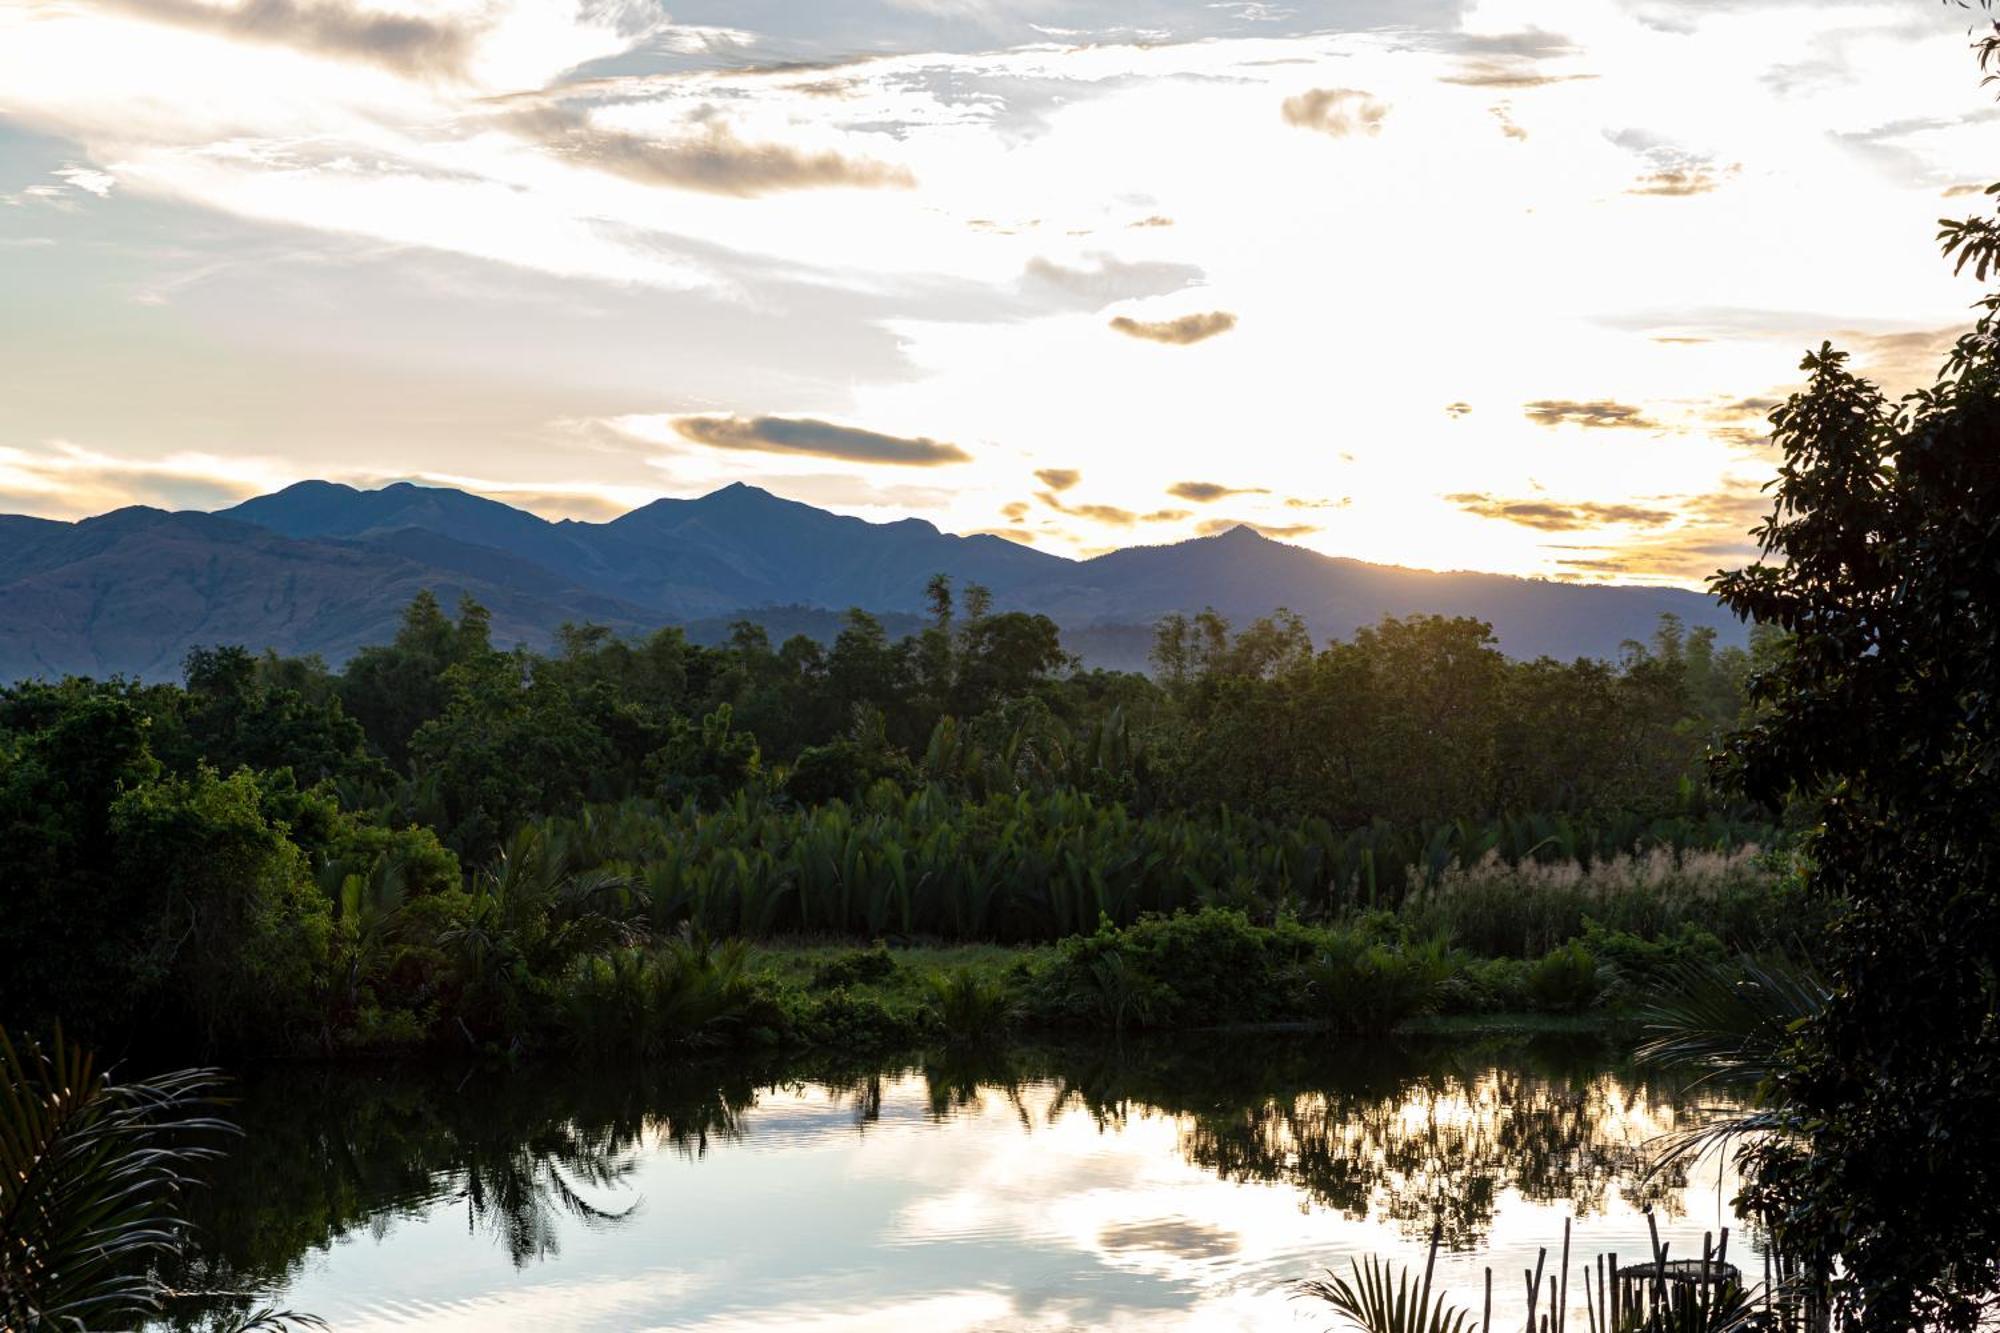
706 763
854 967
90 1174
631 1003
1032 867
450 845
1367 986
971 1010
1879 564
1565 981
234 938
1211 966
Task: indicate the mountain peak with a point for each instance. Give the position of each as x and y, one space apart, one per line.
323 567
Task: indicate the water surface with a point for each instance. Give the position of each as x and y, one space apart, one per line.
1157 1185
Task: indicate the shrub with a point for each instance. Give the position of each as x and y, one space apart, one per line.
1564 981
854 968
970 1009
1187 970
1368 988
633 1002
845 1020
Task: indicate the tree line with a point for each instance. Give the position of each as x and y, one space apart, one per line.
272 853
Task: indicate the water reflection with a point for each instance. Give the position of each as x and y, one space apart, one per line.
1063 1184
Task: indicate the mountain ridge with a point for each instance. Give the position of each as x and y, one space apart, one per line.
321 567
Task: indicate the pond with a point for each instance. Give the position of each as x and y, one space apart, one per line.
1182 1184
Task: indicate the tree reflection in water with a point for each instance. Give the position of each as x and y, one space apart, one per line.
1400 1132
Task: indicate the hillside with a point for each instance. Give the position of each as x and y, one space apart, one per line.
324 568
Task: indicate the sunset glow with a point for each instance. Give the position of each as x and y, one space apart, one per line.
1485 285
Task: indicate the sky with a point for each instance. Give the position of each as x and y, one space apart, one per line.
1483 285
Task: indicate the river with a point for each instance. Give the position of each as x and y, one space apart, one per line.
1161 1184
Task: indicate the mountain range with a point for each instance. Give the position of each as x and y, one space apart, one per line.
324 568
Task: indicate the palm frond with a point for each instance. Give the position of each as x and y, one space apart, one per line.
90 1170
1382 1299
1730 1023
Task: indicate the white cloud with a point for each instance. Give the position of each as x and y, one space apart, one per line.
1373 277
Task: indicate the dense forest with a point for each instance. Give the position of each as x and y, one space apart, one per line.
448 842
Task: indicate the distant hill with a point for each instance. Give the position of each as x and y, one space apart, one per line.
324 568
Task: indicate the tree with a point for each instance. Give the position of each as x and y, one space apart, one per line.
394 689
1882 564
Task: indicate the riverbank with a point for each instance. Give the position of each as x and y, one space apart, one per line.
1207 970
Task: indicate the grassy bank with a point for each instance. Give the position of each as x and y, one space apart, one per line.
1213 968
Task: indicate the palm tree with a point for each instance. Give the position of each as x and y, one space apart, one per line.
91 1172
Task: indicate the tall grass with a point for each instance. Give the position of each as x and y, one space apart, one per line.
1524 908
1028 867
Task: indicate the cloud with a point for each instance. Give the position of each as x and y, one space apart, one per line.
1758 407
406 43
1600 414
1960 191
1715 534
1679 182
87 179
1505 74
1507 125
1021 535
711 158
1058 478
819 439
1177 1237
1215 526
1550 516
1300 502
70 481
1458 409
1207 492
1902 360
1528 44
1014 511
1336 111
1156 220
589 506
1109 514
1181 332
1106 279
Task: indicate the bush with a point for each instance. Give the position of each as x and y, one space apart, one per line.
854 968
1368 988
632 1002
1564 981
969 1009
845 1020
1188 970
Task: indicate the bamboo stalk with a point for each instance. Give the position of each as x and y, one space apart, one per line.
1430 1264
1562 1301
